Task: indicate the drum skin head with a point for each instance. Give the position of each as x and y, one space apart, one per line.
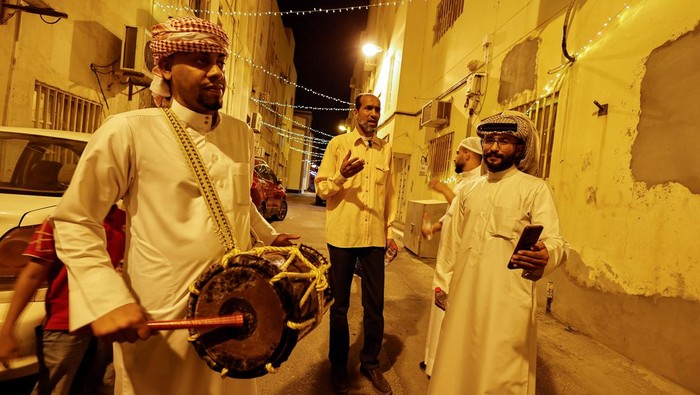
244 286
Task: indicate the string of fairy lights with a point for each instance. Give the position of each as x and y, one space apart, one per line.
291 137
296 136
298 123
265 103
554 84
286 81
550 87
301 107
170 8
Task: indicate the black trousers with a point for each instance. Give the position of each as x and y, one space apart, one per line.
371 261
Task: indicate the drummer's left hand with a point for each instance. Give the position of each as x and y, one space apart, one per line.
284 240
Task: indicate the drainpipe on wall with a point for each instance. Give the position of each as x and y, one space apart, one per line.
5 111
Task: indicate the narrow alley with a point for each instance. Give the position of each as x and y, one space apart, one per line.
568 362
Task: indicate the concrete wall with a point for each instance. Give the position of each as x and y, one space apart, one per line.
272 51
300 144
61 55
626 183
631 176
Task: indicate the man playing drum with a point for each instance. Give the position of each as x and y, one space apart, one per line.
171 237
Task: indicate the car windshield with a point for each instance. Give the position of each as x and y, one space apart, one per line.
37 165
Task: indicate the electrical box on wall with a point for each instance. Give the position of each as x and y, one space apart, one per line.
473 84
416 210
473 88
435 114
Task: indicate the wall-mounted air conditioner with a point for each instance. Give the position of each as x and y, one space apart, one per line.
435 113
136 58
256 121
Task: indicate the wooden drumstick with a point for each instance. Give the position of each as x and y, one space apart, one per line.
233 320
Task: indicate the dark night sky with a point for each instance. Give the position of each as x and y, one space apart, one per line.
327 47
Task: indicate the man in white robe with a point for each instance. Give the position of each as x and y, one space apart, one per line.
488 341
171 237
468 168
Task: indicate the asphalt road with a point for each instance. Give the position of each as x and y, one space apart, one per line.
406 313
568 361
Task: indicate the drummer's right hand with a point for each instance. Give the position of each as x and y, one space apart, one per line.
124 324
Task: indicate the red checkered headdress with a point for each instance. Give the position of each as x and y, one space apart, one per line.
183 34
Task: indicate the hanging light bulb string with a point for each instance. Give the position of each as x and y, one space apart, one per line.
297 137
167 7
561 70
311 152
300 107
286 81
297 122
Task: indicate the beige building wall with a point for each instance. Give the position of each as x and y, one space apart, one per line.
626 184
300 145
60 55
272 52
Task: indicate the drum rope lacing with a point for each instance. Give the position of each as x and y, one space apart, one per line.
228 240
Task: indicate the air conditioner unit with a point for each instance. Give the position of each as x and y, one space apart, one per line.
136 59
436 113
256 121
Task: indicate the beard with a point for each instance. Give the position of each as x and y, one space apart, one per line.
459 168
506 162
367 128
211 103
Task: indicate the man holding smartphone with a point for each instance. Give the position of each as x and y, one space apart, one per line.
488 338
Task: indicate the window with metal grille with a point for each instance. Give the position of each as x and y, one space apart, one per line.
447 13
58 109
440 154
543 112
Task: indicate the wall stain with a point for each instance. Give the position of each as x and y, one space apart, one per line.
518 70
591 196
586 161
665 148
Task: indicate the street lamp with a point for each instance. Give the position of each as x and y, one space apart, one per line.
342 128
370 50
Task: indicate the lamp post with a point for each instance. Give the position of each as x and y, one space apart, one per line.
370 50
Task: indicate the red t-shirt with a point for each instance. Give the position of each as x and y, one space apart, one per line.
42 250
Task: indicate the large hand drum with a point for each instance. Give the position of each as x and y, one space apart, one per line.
282 292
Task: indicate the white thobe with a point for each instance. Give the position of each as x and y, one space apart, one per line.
171 237
443 273
488 340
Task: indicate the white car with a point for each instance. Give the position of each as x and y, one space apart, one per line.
36 166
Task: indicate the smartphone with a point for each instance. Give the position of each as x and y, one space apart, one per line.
529 237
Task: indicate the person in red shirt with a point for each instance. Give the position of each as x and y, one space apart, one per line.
69 362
